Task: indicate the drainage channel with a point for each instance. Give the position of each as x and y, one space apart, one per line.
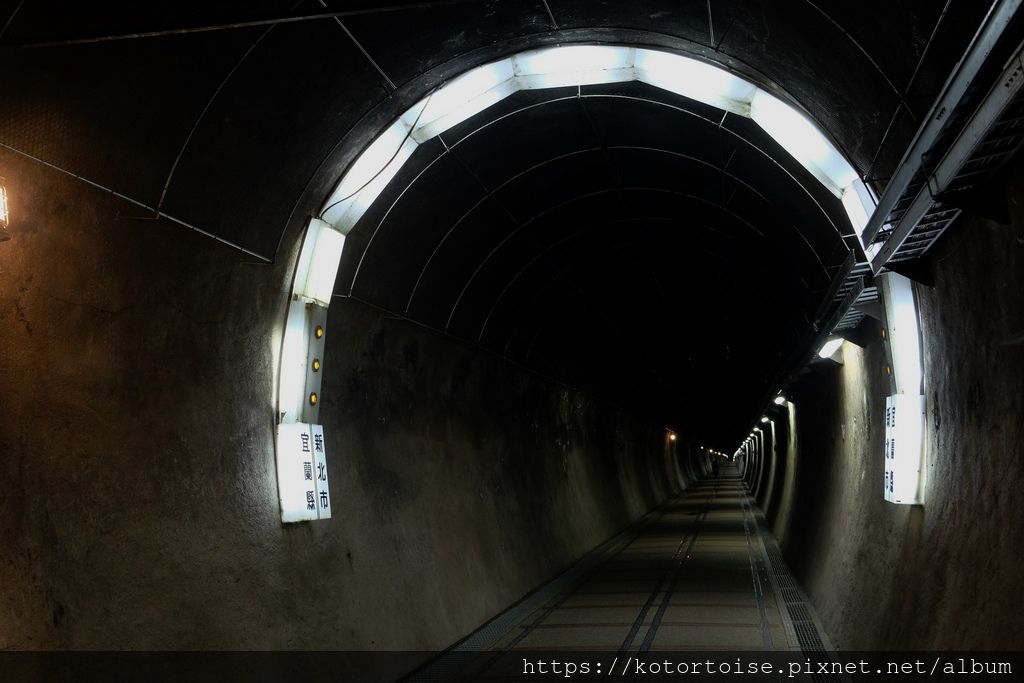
804 626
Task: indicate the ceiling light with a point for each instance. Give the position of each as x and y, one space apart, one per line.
574 65
318 262
764 419
694 79
802 139
463 97
830 347
859 205
369 175
780 400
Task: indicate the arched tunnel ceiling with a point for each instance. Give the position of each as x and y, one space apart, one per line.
618 237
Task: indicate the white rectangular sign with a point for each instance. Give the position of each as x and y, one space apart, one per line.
302 484
904 436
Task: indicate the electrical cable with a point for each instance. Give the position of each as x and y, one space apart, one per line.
376 175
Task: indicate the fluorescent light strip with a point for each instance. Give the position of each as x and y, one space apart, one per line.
904 453
484 86
294 352
318 263
570 65
574 65
369 175
829 348
802 139
902 331
695 79
462 97
859 203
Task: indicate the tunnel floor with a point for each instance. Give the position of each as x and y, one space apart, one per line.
700 573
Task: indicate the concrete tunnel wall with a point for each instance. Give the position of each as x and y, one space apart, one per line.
140 507
141 511
941 575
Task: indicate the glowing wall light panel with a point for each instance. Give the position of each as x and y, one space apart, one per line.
318 262
462 97
302 483
486 85
904 432
859 205
829 348
303 343
573 65
903 336
369 175
694 79
802 139
905 409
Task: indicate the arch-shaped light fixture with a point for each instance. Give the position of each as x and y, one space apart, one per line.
476 90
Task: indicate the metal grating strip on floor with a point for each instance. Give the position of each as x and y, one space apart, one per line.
809 634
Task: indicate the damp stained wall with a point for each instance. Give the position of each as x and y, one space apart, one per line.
140 501
941 575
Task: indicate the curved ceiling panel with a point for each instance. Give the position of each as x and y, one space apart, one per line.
542 231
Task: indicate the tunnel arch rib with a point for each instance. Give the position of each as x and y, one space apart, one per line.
480 88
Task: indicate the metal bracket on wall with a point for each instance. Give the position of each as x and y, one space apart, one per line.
923 198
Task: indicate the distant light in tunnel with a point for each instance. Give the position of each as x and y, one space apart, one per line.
764 419
671 436
780 400
5 216
830 347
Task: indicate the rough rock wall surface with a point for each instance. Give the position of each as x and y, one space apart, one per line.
139 506
946 574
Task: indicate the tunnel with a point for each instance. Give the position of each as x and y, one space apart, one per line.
377 340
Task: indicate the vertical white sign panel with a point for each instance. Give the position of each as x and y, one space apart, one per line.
323 493
904 436
302 472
